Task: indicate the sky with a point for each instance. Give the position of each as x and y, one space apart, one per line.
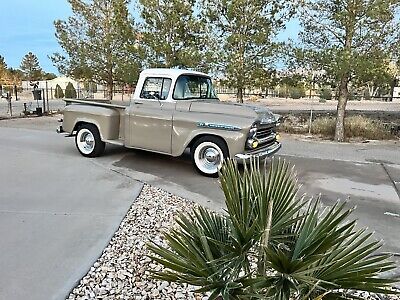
27 25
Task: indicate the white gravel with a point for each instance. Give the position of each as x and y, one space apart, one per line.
122 270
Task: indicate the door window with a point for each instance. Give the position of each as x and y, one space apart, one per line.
156 88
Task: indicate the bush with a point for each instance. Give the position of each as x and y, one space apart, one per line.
355 127
58 92
326 94
271 244
297 92
70 91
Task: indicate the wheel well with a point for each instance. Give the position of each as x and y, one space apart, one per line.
80 123
197 137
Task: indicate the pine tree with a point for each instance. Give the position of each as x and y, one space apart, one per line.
173 35
244 31
58 94
3 69
30 67
70 91
100 42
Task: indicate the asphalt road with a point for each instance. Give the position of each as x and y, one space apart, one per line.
58 209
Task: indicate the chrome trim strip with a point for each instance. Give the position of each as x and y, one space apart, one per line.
218 126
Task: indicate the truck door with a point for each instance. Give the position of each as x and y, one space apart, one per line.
150 117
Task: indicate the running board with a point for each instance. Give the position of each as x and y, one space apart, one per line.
115 142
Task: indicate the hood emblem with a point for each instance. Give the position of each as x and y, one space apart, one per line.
218 126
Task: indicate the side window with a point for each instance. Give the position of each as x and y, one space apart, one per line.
156 88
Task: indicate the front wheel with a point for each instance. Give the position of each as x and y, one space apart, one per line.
208 153
88 141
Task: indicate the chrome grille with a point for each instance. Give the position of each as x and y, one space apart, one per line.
266 134
265 131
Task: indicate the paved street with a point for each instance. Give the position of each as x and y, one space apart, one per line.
58 209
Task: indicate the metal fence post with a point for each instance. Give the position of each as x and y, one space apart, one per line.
47 97
44 102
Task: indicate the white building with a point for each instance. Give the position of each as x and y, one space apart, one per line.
51 84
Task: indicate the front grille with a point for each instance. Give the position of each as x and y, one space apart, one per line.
265 131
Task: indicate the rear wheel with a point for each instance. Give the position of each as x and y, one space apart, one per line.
208 153
88 141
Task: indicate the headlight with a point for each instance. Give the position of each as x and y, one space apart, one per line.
252 141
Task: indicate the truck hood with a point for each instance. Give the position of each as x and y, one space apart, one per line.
258 113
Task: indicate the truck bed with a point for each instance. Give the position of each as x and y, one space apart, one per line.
101 103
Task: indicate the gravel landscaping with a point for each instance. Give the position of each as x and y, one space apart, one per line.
122 270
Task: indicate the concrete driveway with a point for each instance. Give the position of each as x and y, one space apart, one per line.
57 213
58 209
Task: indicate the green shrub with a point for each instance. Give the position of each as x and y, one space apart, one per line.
70 91
271 244
297 92
326 93
58 94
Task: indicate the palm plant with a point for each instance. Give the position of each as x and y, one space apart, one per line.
271 243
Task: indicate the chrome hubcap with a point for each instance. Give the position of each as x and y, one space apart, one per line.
211 155
85 141
208 157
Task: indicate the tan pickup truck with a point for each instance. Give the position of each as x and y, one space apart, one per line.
172 110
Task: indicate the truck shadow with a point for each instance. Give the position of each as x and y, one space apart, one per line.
176 170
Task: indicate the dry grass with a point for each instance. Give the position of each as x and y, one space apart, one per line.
355 127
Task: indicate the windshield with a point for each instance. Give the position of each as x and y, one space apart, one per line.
193 87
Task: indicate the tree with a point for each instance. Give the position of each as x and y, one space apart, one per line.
58 94
349 39
3 69
48 76
172 34
244 31
30 67
271 244
100 42
70 91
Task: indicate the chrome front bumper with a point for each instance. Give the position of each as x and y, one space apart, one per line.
261 154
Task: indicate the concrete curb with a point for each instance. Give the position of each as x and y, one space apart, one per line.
137 189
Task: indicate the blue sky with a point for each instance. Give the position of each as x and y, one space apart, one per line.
27 25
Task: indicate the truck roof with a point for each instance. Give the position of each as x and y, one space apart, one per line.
170 72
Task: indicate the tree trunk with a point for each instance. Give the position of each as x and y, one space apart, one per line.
341 108
110 90
392 86
240 95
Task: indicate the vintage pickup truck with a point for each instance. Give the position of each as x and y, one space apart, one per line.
172 110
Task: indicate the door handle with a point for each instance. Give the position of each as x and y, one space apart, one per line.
138 102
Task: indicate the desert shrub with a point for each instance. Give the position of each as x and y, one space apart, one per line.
58 94
355 127
326 93
297 92
360 126
324 126
70 91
